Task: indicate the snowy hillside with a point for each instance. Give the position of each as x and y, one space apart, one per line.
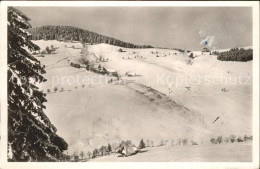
169 99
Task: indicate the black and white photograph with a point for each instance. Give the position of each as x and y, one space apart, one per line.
130 84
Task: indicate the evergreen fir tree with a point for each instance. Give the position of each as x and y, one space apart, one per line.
99 68
141 144
109 148
31 135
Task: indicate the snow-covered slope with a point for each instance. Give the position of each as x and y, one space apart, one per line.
169 100
205 77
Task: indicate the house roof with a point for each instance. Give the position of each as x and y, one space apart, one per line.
110 70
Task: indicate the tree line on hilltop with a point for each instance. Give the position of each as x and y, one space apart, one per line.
70 33
236 54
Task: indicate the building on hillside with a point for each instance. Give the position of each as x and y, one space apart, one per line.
127 149
111 72
130 74
90 66
37 52
74 158
205 50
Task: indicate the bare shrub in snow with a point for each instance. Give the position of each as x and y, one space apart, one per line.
55 89
219 139
141 144
226 139
232 138
213 140
239 139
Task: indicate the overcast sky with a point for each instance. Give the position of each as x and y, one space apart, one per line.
171 27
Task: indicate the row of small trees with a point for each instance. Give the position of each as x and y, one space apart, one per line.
48 50
55 89
149 143
137 56
231 139
164 54
177 142
100 69
160 56
90 67
102 151
106 150
214 53
73 47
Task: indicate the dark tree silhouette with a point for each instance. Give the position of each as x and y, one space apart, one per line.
191 55
48 50
55 89
239 139
232 138
82 154
184 142
31 135
236 54
219 139
103 150
245 138
141 144
109 148
89 154
213 141
226 139
95 153
99 68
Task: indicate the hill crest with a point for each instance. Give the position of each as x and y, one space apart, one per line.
70 33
